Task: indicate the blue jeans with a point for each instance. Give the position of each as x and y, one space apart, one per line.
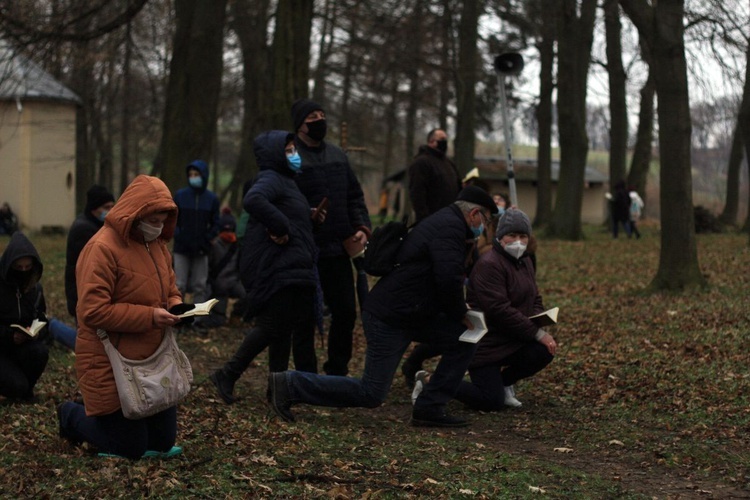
385 347
116 434
63 333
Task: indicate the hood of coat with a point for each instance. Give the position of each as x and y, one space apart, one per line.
20 246
202 167
269 151
144 196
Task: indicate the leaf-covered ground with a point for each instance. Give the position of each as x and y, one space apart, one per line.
647 398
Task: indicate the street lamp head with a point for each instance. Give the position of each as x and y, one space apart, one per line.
509 64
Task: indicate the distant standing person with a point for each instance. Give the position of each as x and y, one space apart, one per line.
636 210
620 209
326 174
197 226
434 182
22 358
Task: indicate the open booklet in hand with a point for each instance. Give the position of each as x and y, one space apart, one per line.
546 318
480 327
33 330
202 309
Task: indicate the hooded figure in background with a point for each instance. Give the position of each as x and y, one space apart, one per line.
22 358
197 226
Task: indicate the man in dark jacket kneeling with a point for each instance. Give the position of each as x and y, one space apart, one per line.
421 300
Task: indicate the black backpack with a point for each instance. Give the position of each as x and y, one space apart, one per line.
382 248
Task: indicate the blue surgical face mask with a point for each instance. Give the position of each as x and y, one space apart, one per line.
196 182
102 215
478 230
295 162
500 211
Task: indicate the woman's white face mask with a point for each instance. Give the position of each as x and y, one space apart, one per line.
150 233
515 249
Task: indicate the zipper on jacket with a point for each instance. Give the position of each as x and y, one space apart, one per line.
161 285
18 301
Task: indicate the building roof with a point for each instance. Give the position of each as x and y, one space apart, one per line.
22 79
494 168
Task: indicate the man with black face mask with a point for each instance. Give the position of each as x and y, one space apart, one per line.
434 182
325 174
22 358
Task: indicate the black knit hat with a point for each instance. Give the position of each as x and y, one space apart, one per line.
478 196
513 221
300 109
97 196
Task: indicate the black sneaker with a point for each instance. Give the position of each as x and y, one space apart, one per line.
278 396
223 385
424 419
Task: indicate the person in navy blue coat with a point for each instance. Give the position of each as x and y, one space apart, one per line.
326 174
276 266
197 226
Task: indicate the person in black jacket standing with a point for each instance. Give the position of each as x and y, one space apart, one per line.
434 182
326 174
421 300
276 266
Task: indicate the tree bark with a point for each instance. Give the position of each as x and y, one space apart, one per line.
446 52
662 28
193 89
618 106
466 79
641 161
126 112
546 47
575 36
741 138
731 205
249 21
414 77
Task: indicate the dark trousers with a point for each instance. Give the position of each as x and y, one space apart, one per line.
420 354
118 435
486 392
20 368
337 282
283 324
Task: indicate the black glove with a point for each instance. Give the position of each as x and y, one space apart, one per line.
178 309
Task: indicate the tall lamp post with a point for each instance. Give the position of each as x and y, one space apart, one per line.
508 65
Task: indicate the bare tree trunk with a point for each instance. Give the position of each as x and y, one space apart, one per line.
126 111
466 79
641 161
731 205
324 51
250 23
391 121
82 84
618 106
575 36
446 52
662 27
290 58
741 137
546 47
413 75
193 90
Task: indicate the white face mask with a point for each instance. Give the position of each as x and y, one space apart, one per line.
515 249
150 233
